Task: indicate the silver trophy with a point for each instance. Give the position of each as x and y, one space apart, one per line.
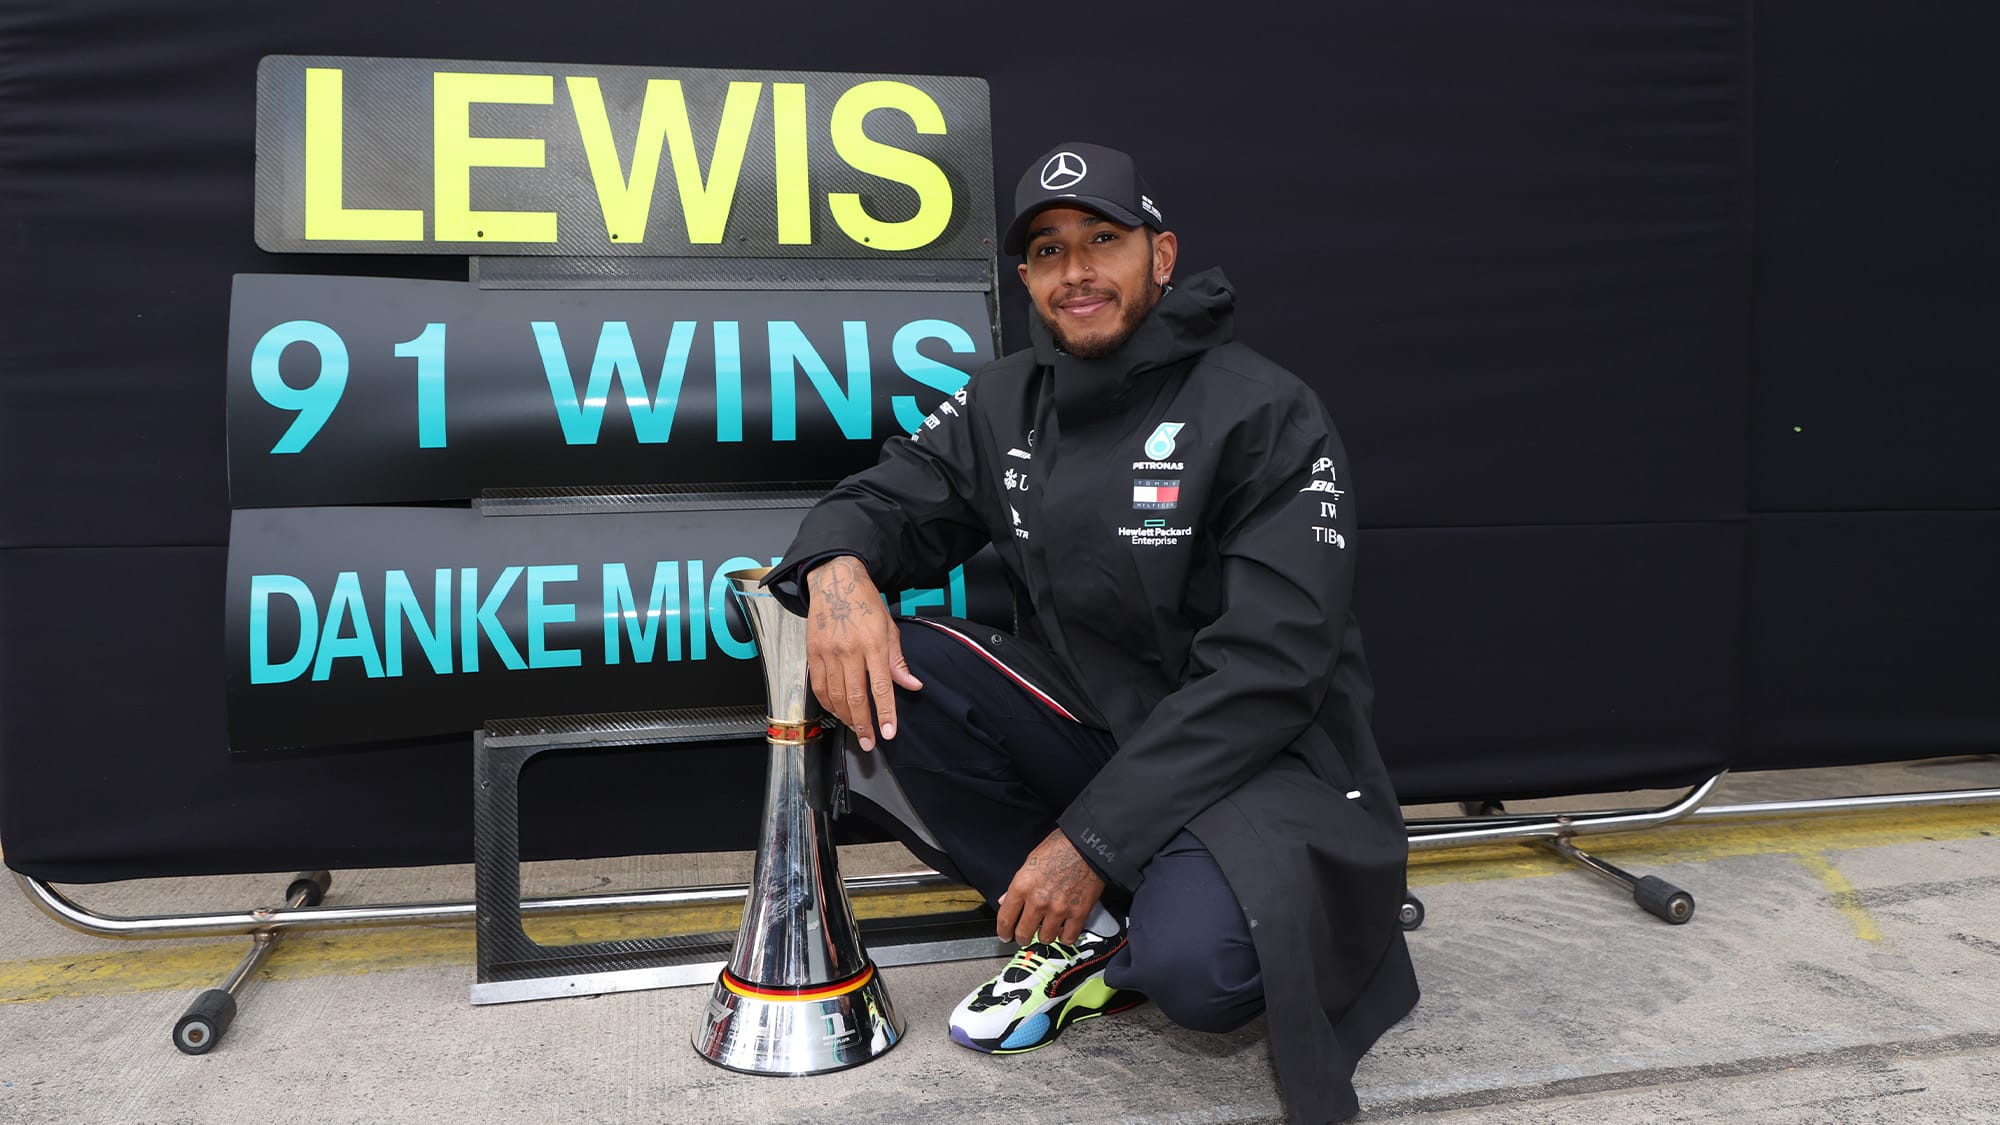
799 995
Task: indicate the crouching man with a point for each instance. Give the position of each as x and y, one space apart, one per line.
1166 783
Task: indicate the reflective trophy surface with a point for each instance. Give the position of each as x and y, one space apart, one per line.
799 995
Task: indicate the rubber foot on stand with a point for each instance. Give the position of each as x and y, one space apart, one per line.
205 1023
1663 900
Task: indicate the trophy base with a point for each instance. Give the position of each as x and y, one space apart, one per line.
798 1031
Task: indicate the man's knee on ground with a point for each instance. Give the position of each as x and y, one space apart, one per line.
1201 990
1212 1014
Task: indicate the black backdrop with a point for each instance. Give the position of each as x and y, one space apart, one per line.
1653 327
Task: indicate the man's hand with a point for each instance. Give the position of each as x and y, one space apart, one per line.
852 651
1052 894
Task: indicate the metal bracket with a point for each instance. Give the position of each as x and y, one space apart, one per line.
512 966
1654 895
207 1020
1663 900
1424 834
1457 831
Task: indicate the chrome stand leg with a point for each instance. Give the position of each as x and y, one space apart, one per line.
205 1022
1654 895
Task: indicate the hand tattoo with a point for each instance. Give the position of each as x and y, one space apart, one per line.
837 599
1052 894
1064 869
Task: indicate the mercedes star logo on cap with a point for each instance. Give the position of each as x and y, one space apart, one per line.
1064 170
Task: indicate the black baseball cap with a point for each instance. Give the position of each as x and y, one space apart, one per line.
1076 174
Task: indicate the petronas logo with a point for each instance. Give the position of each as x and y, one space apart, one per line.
1160 446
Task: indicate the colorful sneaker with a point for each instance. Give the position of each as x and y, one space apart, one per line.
1045 988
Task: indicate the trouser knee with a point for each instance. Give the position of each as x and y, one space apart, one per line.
1205 1012
1190 950
1202 990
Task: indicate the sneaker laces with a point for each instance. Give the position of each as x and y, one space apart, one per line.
1036 960
1033 956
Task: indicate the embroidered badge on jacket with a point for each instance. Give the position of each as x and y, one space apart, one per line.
1156 494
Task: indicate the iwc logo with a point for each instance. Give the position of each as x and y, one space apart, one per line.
1064 170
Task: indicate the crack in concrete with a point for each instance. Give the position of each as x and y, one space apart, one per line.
1911 892
1619 1081
1983 945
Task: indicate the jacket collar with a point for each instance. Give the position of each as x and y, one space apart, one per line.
1191 318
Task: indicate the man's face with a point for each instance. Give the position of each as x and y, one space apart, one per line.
1092 281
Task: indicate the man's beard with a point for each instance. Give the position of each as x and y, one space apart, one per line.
1135 312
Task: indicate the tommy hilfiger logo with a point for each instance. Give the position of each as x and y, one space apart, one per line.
1154 494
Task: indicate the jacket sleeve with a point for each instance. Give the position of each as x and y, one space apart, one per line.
905 517
1258 673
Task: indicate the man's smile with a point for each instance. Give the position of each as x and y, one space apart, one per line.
1084 304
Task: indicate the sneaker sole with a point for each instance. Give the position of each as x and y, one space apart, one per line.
1073 1010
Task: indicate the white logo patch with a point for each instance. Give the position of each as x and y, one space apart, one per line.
1155 533
1327 536
1064 170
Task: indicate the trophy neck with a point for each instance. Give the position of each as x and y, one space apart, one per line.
781 646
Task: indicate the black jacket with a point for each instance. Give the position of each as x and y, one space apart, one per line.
1175 519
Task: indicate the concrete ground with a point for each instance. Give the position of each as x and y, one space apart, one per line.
1841 968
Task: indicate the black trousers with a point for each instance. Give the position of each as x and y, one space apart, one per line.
989 763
